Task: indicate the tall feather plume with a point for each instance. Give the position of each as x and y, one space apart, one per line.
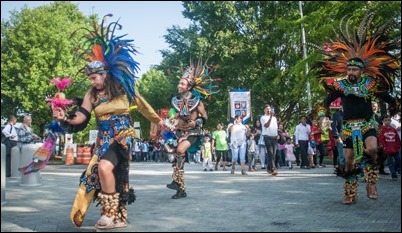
373 47
101 44
200 74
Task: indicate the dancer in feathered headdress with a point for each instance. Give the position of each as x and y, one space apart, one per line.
188 114
356 68
111 71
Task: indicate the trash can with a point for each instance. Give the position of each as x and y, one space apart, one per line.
27 152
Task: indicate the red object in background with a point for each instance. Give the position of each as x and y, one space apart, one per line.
336 103
163 113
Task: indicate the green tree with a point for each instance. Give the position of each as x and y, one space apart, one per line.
35 47
258 46
156 88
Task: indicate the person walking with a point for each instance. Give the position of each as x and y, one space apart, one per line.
270 133
289 150
220 146
238 143
206 153
302 135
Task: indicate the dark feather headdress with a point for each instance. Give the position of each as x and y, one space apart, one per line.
371 51
106 52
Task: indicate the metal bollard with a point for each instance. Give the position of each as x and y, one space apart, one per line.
15 162
3 174
27 152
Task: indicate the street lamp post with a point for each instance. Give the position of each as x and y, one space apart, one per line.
304 57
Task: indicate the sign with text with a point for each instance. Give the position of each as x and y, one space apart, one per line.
240 104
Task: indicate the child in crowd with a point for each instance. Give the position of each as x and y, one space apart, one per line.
252 153
389 140
207 153
290 156
311 152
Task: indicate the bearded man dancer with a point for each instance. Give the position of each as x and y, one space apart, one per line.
189 116
370 72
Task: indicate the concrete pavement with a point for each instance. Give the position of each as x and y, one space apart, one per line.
295 200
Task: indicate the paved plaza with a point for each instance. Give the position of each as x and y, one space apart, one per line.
295 200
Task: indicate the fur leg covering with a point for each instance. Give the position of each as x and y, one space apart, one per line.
350 192
370 174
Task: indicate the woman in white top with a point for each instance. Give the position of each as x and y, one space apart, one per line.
238 143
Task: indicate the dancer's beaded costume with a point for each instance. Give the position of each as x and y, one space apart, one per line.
107 53
370 53
188 108
115 126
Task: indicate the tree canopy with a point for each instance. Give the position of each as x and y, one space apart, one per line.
36 46
258 46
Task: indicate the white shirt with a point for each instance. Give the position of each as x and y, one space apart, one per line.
272 130
238 134
6 131
302 132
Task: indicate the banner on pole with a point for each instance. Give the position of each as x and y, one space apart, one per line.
240 104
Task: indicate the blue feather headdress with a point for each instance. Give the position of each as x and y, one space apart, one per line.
106 52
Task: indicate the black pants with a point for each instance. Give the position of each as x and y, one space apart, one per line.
10 144
303 152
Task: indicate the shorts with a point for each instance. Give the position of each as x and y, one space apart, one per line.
113 154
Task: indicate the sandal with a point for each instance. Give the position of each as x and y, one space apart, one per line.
108 223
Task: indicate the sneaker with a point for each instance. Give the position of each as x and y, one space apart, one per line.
322 165
211 170
205 170
395 177
173 185
179 194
